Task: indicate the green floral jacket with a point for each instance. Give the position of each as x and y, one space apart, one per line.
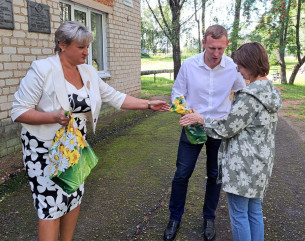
246 155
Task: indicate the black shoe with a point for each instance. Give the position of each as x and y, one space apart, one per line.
171 230
209 230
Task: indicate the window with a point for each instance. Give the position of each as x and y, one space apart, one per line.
95 21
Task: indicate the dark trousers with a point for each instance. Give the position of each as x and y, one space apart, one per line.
186 161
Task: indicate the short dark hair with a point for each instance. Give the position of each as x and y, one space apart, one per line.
216 31
253 57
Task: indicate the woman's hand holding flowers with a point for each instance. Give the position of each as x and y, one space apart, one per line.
191 119
62 118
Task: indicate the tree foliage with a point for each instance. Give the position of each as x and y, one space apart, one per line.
278 29
152 38
168 16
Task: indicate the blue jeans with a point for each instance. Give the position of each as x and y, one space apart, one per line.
246 217
186 161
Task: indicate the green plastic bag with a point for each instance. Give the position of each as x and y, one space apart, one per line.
72 178
195 134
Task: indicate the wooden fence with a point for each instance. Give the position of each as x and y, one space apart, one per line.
158 71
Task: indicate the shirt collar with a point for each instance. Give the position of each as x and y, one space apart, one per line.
202 64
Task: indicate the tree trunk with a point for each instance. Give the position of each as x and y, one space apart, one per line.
295 70
282 46
283 68
203 19
177 59
281 56
172 31
176 46
198 26
297 40
175 9
234 36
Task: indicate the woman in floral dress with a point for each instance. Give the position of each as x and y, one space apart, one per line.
246 155
51 87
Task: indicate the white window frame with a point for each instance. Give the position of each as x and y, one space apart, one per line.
75 6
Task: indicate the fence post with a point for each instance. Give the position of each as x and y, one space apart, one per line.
155 72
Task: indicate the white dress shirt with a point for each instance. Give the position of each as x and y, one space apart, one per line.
207 90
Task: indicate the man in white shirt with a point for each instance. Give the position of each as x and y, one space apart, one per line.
206 81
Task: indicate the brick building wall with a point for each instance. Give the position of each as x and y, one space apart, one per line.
18 48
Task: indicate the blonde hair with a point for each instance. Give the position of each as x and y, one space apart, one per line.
71 31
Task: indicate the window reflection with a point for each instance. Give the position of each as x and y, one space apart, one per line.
65 12
80 16
97 44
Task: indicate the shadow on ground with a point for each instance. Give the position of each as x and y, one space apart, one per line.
127 194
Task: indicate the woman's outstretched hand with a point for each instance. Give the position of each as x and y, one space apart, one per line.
159 105
191 119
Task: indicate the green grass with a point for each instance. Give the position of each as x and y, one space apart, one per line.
294 92
161 86
159 62
290 63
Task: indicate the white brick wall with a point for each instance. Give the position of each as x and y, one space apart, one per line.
123 52
19 48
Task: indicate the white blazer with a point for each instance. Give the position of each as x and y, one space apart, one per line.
44 89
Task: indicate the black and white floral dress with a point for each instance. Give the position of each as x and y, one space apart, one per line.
50 200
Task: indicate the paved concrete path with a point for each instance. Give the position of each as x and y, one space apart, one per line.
127 194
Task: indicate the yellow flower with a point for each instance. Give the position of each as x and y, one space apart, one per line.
81 141
58 135
74 157
72 142
56 157
180 109
65 151
78 133
60 132
176 102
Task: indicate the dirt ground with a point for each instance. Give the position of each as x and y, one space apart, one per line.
127 194
289 112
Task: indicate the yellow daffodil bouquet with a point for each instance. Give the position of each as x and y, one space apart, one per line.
71 157
180 106
194 133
